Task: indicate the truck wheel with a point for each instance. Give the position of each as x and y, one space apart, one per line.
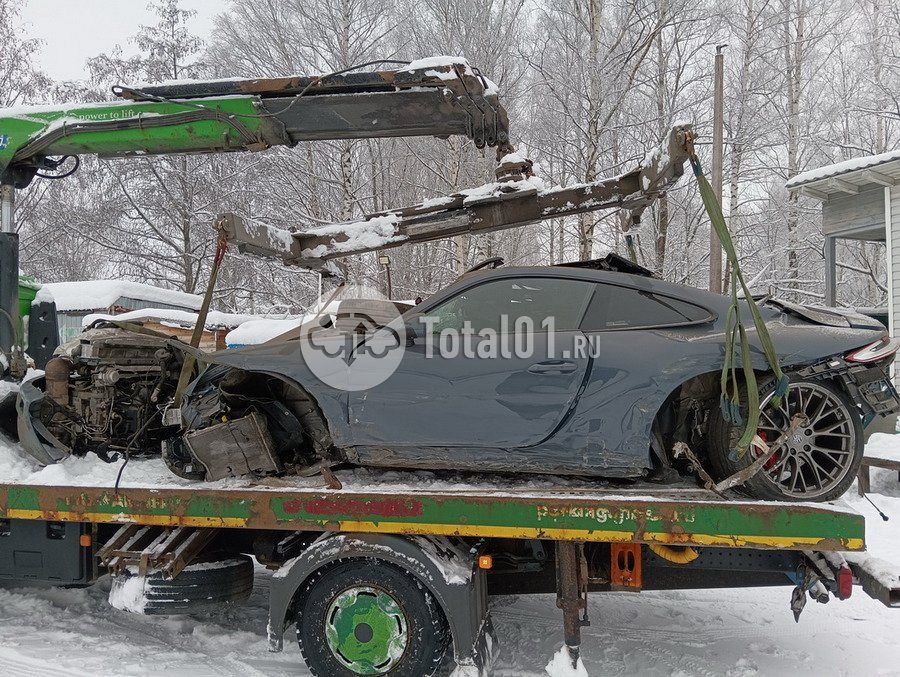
368 617
820 459
211 580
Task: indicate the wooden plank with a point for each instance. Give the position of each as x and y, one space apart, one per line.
847 213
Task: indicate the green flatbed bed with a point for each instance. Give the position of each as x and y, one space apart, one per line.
647 514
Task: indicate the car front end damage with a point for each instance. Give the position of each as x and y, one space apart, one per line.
237 422
258 411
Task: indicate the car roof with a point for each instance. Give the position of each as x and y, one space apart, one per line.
702 297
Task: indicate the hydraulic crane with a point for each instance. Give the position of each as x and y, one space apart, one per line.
439 97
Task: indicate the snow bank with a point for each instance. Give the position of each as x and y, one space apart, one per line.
844 167
100 294
127 593
254 332
15 466
883 445
174 318
561 665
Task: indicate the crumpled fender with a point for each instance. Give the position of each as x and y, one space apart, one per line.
31 431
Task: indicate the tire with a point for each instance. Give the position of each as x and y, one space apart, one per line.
820 460
406 634
216 579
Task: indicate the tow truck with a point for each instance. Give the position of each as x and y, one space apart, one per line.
386 575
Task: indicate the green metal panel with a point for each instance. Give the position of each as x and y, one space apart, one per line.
587 517
20 126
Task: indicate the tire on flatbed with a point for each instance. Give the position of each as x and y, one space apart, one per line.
211 581
366 616
810 454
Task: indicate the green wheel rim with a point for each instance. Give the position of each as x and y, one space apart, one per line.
366 630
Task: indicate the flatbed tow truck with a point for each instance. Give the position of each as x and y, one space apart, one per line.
414 559
461 545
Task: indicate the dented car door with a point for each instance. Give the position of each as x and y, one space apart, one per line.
494 366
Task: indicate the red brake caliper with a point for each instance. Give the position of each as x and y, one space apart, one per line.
759 451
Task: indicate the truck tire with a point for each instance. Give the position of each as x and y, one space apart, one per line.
820 459
209 581
364 616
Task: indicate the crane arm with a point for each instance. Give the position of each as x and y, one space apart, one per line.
443 98
517 201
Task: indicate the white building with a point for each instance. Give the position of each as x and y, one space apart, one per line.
861 201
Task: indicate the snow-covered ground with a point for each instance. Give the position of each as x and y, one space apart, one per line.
723 632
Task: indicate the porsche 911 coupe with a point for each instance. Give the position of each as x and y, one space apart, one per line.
571 370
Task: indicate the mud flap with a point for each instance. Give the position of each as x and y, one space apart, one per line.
446 567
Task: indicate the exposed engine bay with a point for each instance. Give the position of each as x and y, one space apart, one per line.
110 391
106 391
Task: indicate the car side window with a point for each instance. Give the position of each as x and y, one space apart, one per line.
538 298
615 307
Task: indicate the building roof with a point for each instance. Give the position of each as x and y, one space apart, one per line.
102 294
848 176
215 320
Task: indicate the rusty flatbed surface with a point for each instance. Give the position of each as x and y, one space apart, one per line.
664 516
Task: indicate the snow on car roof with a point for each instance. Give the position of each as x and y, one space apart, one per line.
101 294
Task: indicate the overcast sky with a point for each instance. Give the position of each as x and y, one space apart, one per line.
72 31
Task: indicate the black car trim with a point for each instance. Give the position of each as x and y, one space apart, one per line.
711 317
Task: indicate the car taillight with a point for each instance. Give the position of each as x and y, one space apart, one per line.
883 347
844 582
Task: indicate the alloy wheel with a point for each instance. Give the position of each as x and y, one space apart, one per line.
818 454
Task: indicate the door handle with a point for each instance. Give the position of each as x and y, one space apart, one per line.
553 367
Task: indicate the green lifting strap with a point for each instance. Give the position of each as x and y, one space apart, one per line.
735 331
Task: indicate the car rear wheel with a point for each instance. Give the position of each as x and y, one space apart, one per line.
820 458
367 617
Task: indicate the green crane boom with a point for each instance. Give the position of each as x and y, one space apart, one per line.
434 97
442 99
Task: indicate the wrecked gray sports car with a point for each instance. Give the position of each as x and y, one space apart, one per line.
628 366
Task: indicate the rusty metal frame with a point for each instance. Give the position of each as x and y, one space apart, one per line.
501 206
683 518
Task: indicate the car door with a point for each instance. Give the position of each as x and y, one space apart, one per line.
493 366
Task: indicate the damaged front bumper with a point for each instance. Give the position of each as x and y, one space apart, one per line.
34 437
